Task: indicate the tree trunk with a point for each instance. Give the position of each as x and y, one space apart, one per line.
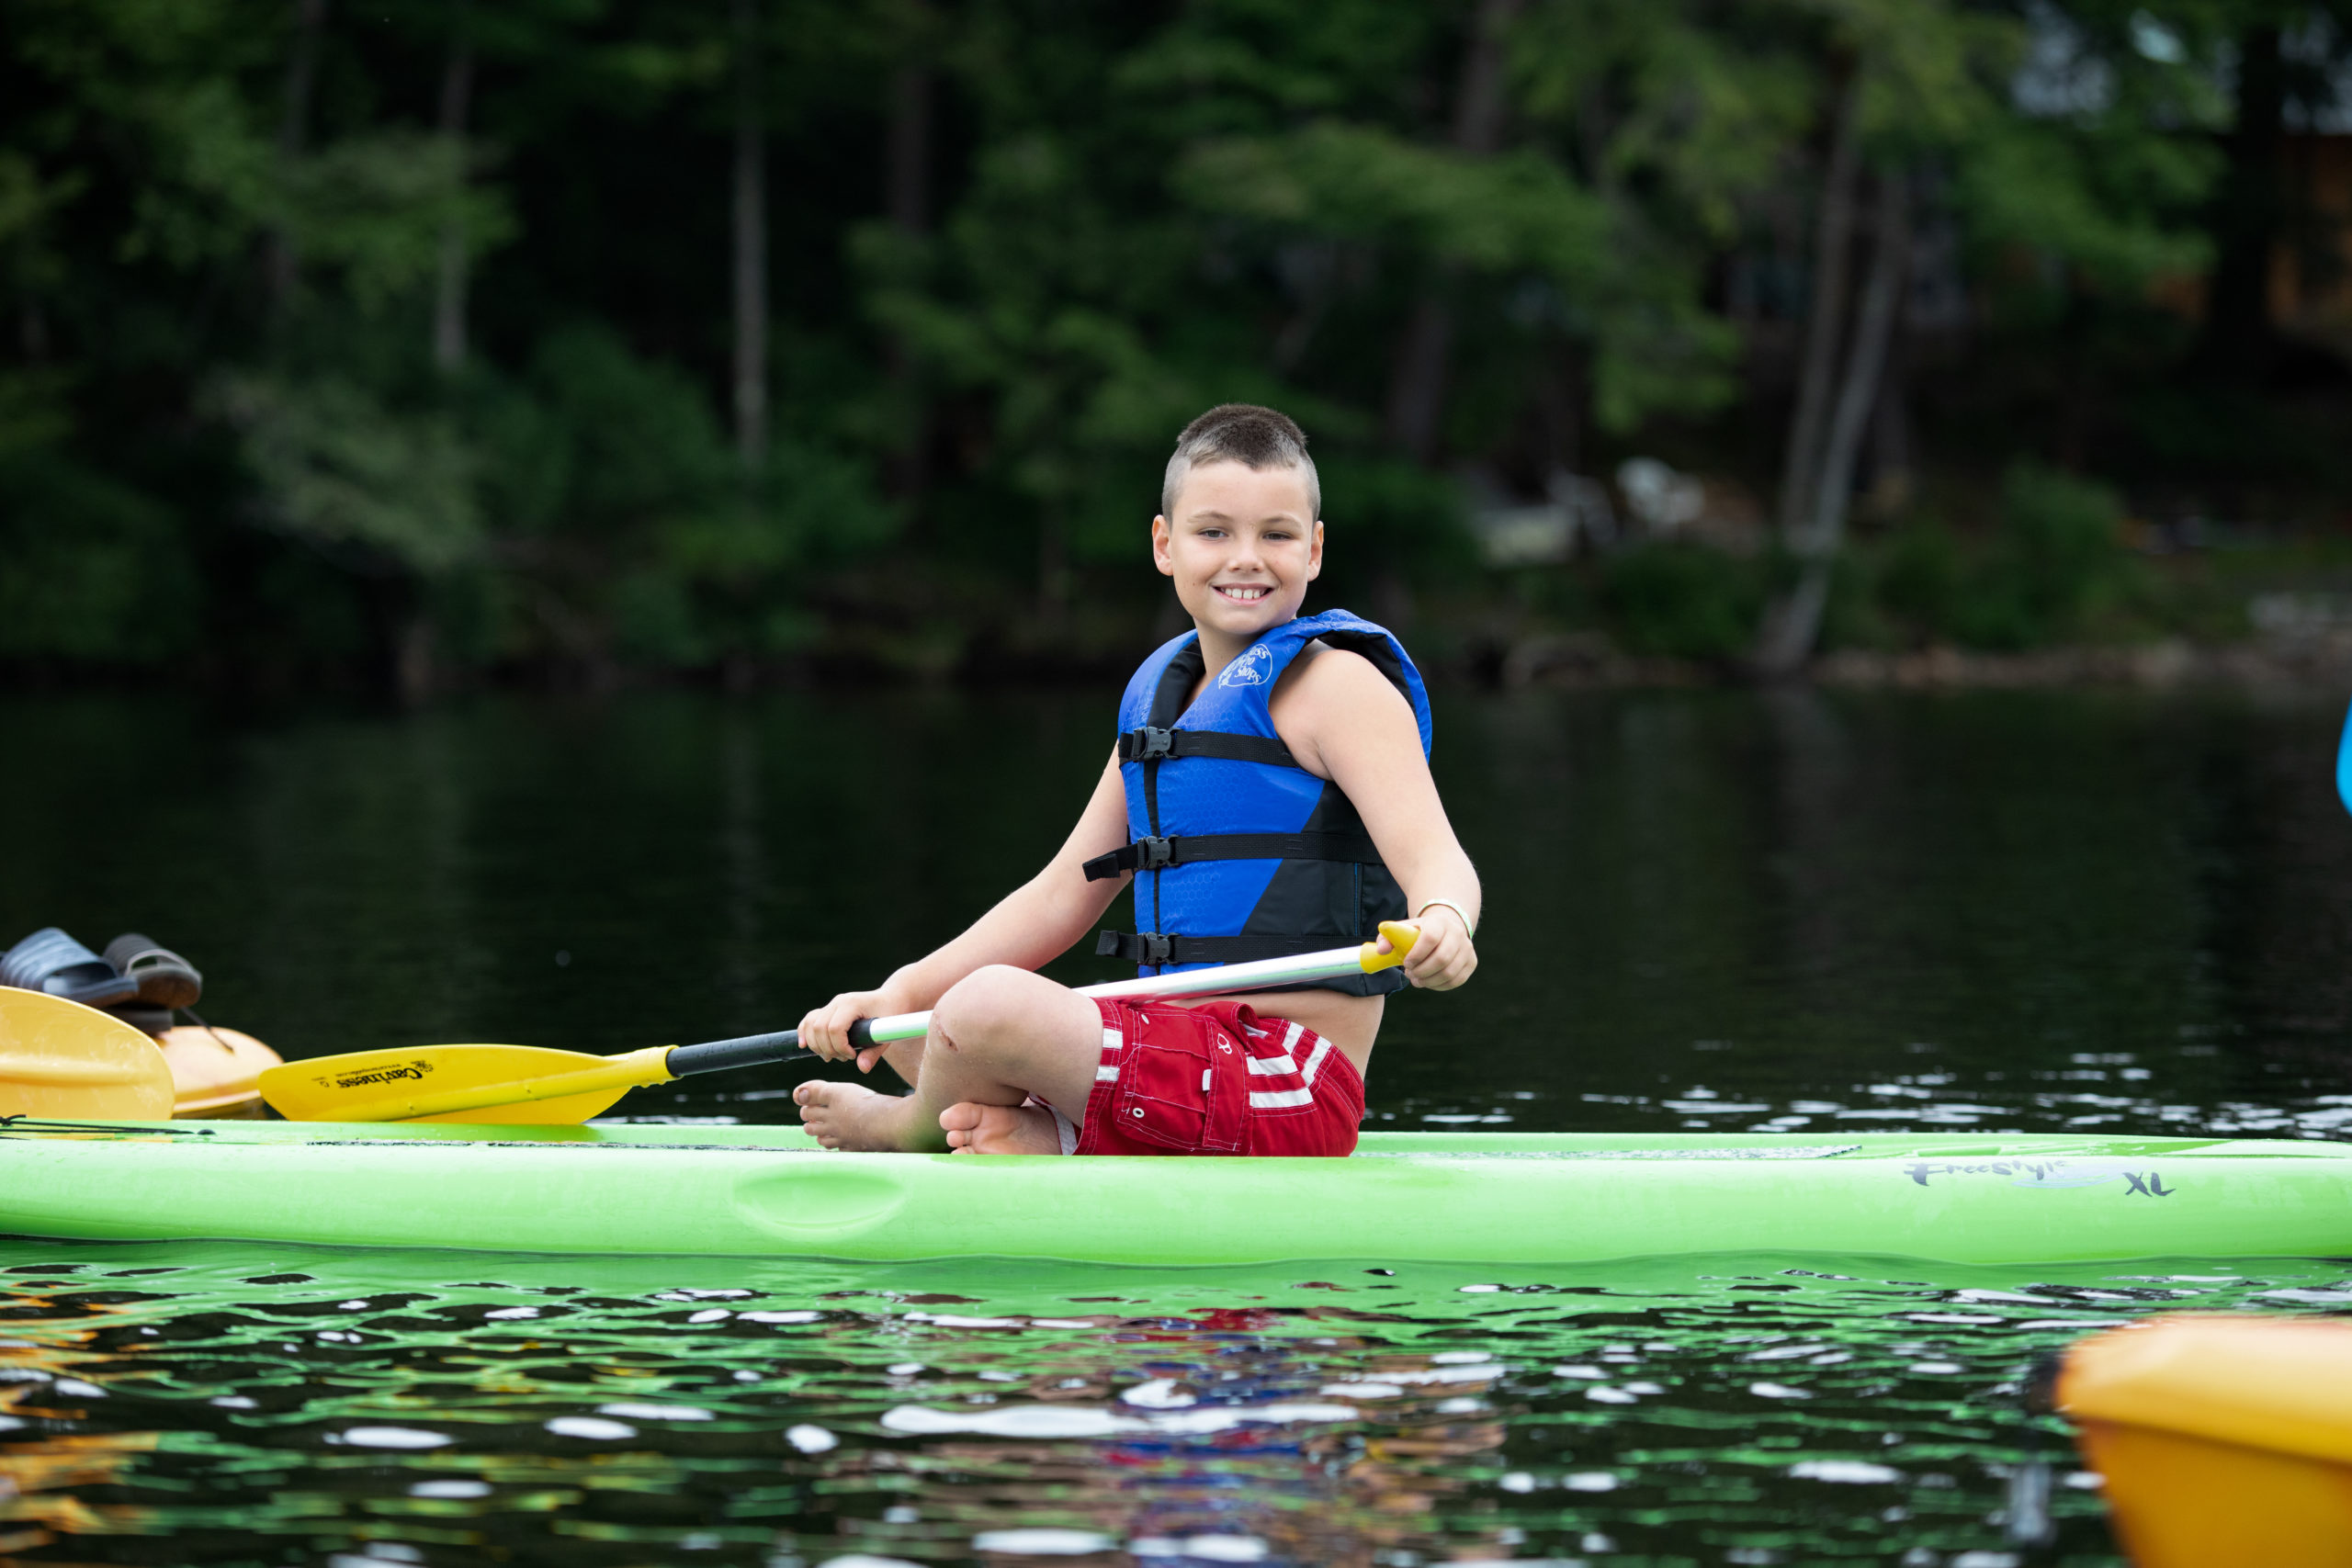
1053 570
1891 445
1833 241
449 297
283 263
1793 623
1478 103
907 200
751 246
1417 381
1417 385
1858 393
908 196
2246 212
413 675
1559 411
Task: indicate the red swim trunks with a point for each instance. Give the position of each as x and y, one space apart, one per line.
1217 1079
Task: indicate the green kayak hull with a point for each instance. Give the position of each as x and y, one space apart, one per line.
1404 1197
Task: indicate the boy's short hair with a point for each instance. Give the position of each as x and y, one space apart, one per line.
1245 434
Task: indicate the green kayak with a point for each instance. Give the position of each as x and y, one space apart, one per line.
1405 1197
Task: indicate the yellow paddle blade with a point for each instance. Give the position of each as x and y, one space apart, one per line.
513 1085
61 1059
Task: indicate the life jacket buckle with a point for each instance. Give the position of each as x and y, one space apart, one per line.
1156 948
1151 745
1155 854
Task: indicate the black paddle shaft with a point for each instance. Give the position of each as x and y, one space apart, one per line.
751 1050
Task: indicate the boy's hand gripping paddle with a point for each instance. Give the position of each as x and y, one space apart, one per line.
530 1085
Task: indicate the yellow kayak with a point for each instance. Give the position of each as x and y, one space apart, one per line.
214 1071
2223 1440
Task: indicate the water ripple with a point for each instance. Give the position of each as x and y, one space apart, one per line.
309 1408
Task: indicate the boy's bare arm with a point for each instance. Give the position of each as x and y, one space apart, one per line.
1036 922
1344 720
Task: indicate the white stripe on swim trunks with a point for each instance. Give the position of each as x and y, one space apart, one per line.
1313 1062
1282 1098
1287 1062
1109 1071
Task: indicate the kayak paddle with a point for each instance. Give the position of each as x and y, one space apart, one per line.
61 1060
531 1085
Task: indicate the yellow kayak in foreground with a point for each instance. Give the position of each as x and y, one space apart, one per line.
2223 1440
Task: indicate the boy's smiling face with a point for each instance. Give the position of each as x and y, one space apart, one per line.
1242 546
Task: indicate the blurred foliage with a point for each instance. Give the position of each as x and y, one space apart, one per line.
333 465
96 571
1683 601
230 443
2055 559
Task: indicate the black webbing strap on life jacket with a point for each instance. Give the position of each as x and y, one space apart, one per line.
1151 947
1151 744
1157 854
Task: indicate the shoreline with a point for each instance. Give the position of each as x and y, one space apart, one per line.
2313 662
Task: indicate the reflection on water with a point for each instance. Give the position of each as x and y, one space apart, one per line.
1803 913
213 1403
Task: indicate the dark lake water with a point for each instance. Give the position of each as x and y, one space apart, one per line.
1796 911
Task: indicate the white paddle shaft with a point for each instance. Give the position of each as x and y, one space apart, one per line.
1259 974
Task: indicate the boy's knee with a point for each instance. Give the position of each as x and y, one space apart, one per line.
983 1006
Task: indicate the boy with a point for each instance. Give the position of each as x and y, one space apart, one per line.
1270 793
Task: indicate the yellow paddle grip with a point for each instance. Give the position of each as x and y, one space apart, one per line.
1400 936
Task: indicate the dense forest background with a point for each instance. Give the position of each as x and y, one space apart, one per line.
416 343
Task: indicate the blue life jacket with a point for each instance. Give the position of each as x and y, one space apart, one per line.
1239 852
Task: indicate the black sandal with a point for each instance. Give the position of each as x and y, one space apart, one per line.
53 962
164 979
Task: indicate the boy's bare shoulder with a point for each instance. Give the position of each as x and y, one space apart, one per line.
1336 674
1326 686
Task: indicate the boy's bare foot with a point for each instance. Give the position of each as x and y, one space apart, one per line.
1000 1129
850 1116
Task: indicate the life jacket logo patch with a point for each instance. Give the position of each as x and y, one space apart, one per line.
1250 670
